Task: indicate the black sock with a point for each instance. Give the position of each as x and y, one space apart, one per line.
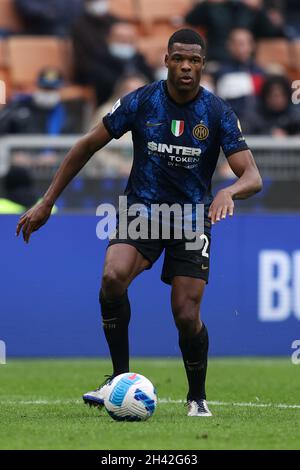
116 317
194 352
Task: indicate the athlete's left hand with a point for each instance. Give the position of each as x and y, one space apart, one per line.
221 206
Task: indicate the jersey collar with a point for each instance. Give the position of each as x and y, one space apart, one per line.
183 104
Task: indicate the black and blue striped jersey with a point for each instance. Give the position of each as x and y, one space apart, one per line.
176 147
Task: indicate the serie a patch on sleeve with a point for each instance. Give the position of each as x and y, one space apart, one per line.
115 106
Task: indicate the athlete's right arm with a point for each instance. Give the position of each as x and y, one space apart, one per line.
73 162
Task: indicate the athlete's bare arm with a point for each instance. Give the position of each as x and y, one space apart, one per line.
249 183
73 162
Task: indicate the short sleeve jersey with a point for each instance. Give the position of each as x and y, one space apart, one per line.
176 147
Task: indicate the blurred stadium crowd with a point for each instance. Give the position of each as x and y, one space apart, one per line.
65 62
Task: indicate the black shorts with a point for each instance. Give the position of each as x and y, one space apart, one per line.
178 261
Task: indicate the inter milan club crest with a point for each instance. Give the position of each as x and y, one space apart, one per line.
177 128
201 132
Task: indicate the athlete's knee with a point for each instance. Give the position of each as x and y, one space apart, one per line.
187 316
114 282
188 325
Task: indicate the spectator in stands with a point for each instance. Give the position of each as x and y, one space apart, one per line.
19 193
123 57
219 17
89 36
114 58
275 114
42 112
240 80
115 162
292 13
261 21
215 18
48 17
208 81
126 84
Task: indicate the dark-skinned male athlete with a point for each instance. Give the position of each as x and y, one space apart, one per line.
178 128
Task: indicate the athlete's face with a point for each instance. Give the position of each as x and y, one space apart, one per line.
185 64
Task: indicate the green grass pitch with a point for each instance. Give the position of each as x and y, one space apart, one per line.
255 405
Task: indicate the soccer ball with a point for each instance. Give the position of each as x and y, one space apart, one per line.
130 397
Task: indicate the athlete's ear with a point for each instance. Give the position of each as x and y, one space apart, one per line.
167 60
204 63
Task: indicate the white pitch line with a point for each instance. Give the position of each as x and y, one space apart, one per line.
243 405
40 402
161 401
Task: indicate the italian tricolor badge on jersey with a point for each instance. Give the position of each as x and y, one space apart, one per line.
177 128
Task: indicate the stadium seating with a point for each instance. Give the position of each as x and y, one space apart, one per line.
157 11
295 52
28 55
126 9
22 57
272 52
9 19
3 54
4 71
153 48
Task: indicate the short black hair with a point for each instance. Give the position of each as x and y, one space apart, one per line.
279 81
187 36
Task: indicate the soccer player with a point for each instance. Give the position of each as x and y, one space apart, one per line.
178 128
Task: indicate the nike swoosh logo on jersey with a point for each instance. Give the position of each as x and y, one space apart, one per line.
154 124
204 267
